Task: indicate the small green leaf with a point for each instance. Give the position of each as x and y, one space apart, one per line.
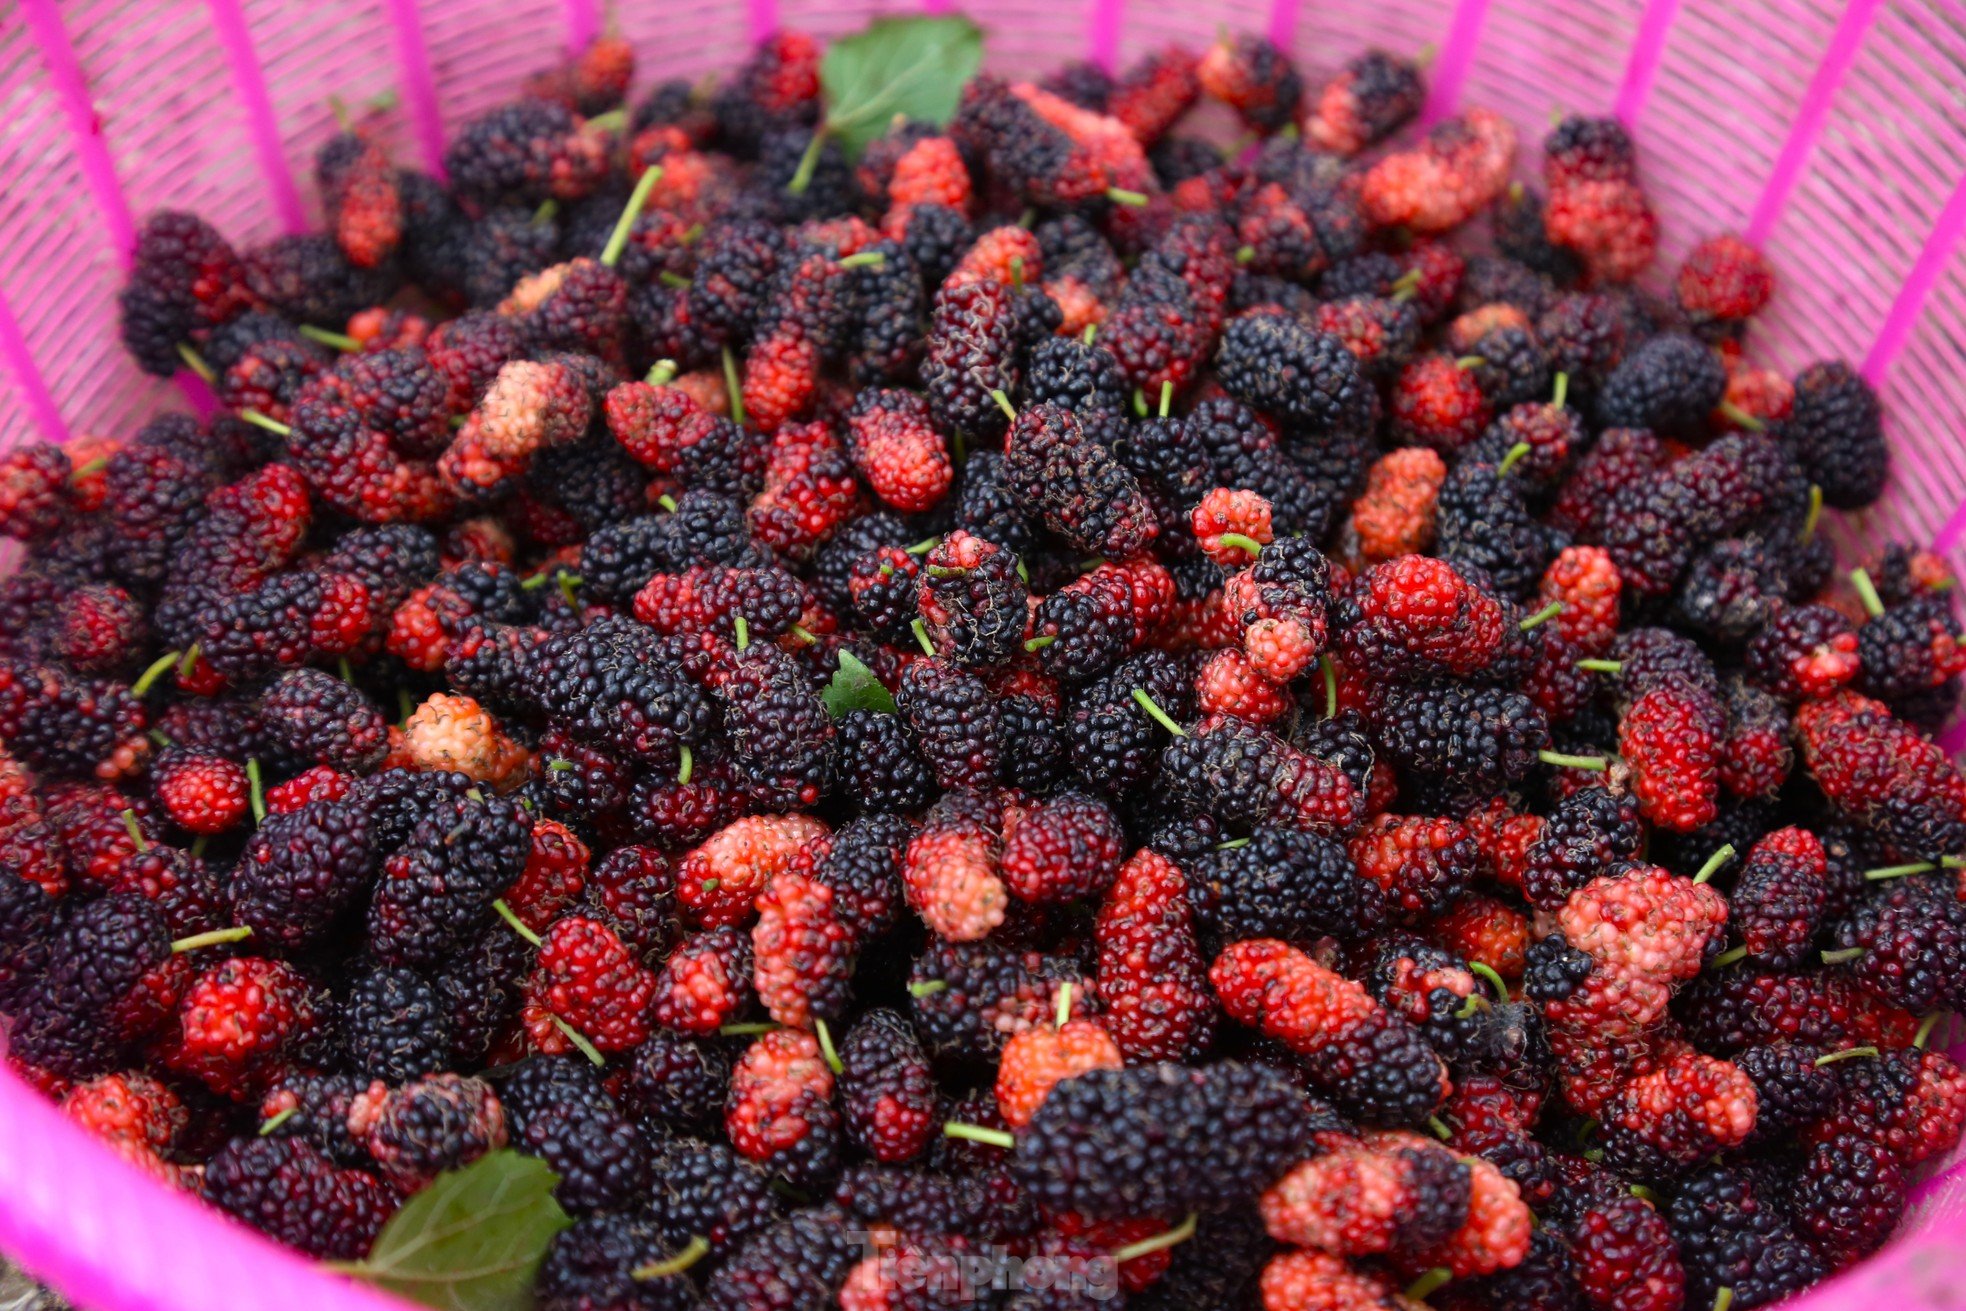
854 687
915 66
473 1240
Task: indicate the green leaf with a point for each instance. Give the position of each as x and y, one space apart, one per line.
473 1240
914 66
854 687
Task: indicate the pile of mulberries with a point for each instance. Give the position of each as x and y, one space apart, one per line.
1263 732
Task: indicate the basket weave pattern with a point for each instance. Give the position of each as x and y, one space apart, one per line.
1833 136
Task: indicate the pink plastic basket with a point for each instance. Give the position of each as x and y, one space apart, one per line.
1832 135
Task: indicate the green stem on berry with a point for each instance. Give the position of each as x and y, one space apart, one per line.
1884 872
1561 392
1561 760
548 209
945 571
639 197
923 547
1439 1127
1028 219
88 470
1513 458
743 628
558 766
1925 1027
1090 563
154 671
1472 1006
686 767
1406 286
926 988
1160 1242
1847 1054
1003 403
277 1119
673 280
1244 254
1602 666
130 827
695 1250
1811 519
733 388
920 630
1242 542
1494 980
1867 592
1466 362
159 737
1729 956
1023 574
1430 1282
259 420
1139 403
405 706
612 121
1842 956
1541 617
789 1193
1740 418
1329 673
748 1029
826 1049
581 1042
1037 644
534 583
977 1133
213 938
344 670
258 790
1158 715
196 363
1063 1013
662 372
198 845
567 584
1233 844
1723 1298
1644 1194
1714 862
1017 273
340 341
865 259
808 162
519 926
1121 196
1091 331
667 502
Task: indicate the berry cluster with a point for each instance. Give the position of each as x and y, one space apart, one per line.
1038 688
